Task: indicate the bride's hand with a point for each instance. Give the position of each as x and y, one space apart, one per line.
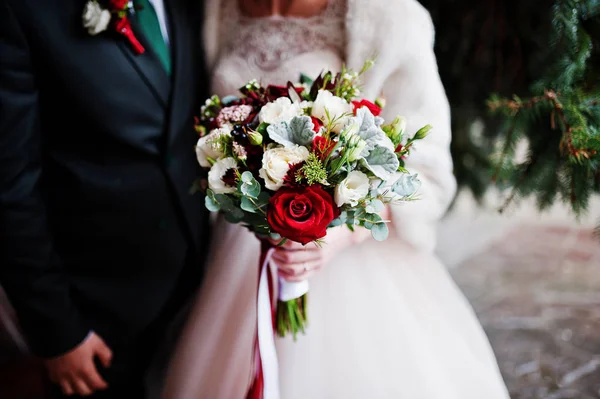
296 262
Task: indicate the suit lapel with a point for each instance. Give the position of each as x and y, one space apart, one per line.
148 65
179 38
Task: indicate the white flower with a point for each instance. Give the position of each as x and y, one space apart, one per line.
276 164
352 189
216 174
356 145
337 108
209 147
280 110
95 18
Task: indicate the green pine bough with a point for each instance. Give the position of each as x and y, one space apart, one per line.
560 121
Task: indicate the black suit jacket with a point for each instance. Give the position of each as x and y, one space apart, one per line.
96 164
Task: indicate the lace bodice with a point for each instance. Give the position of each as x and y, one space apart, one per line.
277 49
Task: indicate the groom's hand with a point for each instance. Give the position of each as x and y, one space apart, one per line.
76 372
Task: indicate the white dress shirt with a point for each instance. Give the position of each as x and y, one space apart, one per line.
159 7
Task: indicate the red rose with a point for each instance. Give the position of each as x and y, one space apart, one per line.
317 124
322 147
374 108
301 214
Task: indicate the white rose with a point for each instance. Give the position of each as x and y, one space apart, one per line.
280 110
352 189
276 164
208 147
216 174
337 108
95 18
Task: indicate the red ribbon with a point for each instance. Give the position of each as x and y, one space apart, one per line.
123 27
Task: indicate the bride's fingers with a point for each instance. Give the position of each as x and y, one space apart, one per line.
299 269
289 244
303 275
288 256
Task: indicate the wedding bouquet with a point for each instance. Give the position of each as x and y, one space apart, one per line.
289 162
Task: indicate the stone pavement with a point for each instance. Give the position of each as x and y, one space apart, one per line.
536 290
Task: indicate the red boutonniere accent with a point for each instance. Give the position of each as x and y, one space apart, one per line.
96 19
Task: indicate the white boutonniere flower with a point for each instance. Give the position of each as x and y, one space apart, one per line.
95 18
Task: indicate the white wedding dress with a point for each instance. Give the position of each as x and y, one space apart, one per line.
386 320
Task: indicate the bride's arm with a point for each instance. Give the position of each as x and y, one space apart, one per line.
414 90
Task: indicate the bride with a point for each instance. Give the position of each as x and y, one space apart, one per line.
386 319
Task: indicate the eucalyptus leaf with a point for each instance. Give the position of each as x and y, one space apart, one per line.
380 231
336 222
263 199
211 204
298 132
255 219
247 205
235 215
374 218
249 186
406 185
225 202
382 162
377 205
350 218
247 177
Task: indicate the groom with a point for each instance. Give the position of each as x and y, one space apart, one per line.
100 239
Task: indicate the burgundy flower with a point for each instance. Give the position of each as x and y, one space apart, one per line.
290 177
230 177
274 92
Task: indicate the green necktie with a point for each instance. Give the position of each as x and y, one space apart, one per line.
150 26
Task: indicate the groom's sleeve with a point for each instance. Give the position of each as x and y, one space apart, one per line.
30 271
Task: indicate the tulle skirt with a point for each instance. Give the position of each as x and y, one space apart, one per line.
385 322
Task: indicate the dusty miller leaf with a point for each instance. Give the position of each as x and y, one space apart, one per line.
298 132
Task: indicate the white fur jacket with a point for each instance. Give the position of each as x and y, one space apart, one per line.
400 33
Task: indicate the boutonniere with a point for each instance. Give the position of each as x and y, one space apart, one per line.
97 19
